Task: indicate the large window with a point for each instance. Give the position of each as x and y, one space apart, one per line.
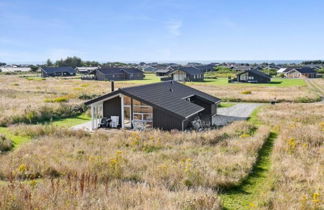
127 112
142 113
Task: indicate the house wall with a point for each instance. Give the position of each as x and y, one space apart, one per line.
248 76
293 74
165 121
136 76
183 76
197 77
112 107
106 77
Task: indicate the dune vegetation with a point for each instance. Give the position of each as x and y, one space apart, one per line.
32 99
272 161
190 165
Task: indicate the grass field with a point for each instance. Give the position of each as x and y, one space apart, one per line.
273 161
55 98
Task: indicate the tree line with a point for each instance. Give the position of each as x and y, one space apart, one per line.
71 61
313 62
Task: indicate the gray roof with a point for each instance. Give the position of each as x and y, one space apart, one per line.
132 70
119 70
306 70
168 96
257 72
50 70
188 69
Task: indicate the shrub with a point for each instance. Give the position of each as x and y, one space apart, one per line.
246 92
307 99
85 96
60 99
5 144
43 114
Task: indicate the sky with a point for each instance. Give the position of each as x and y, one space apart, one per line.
161 30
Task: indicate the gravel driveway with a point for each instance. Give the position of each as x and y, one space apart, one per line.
239 111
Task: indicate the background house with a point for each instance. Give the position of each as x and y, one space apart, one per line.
185 73
119 73
57 71
253 76
304 72
164 105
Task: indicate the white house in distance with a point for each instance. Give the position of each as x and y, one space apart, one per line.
14 69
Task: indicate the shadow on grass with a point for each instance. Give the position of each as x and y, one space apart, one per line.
274 82
258 172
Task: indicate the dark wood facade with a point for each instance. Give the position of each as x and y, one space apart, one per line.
118 74
165 105
112 107
253 76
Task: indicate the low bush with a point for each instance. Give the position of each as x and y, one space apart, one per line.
85 96
43 114
60 99
5 144
246 92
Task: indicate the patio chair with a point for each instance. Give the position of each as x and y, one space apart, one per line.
139 125
104 123
114 121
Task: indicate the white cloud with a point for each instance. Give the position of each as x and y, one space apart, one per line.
174 27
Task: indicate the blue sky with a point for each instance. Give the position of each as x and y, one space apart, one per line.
161 30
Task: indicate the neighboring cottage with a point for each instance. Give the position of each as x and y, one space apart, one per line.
57 71
14 69
205 68
253 76
165 105
118 73
186 73
304 72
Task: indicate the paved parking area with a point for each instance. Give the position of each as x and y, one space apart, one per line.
237 112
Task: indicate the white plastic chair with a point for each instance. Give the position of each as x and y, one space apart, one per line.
114 121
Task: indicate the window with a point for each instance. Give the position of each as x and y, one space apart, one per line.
141 112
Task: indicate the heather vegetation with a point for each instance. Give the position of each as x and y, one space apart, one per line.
185 168
272 161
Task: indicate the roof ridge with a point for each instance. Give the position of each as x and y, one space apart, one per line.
155 83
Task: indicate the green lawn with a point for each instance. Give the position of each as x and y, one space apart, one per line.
277 82
18 140
149 78
72 121
66 122
225 105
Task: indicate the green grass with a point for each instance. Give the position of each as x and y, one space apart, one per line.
66 122
225 105
248 194
18 140
149 78
254 116
71 121
275 82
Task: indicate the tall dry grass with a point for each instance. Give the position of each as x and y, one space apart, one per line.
236 93
297 161
177 160
65 169
85 192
